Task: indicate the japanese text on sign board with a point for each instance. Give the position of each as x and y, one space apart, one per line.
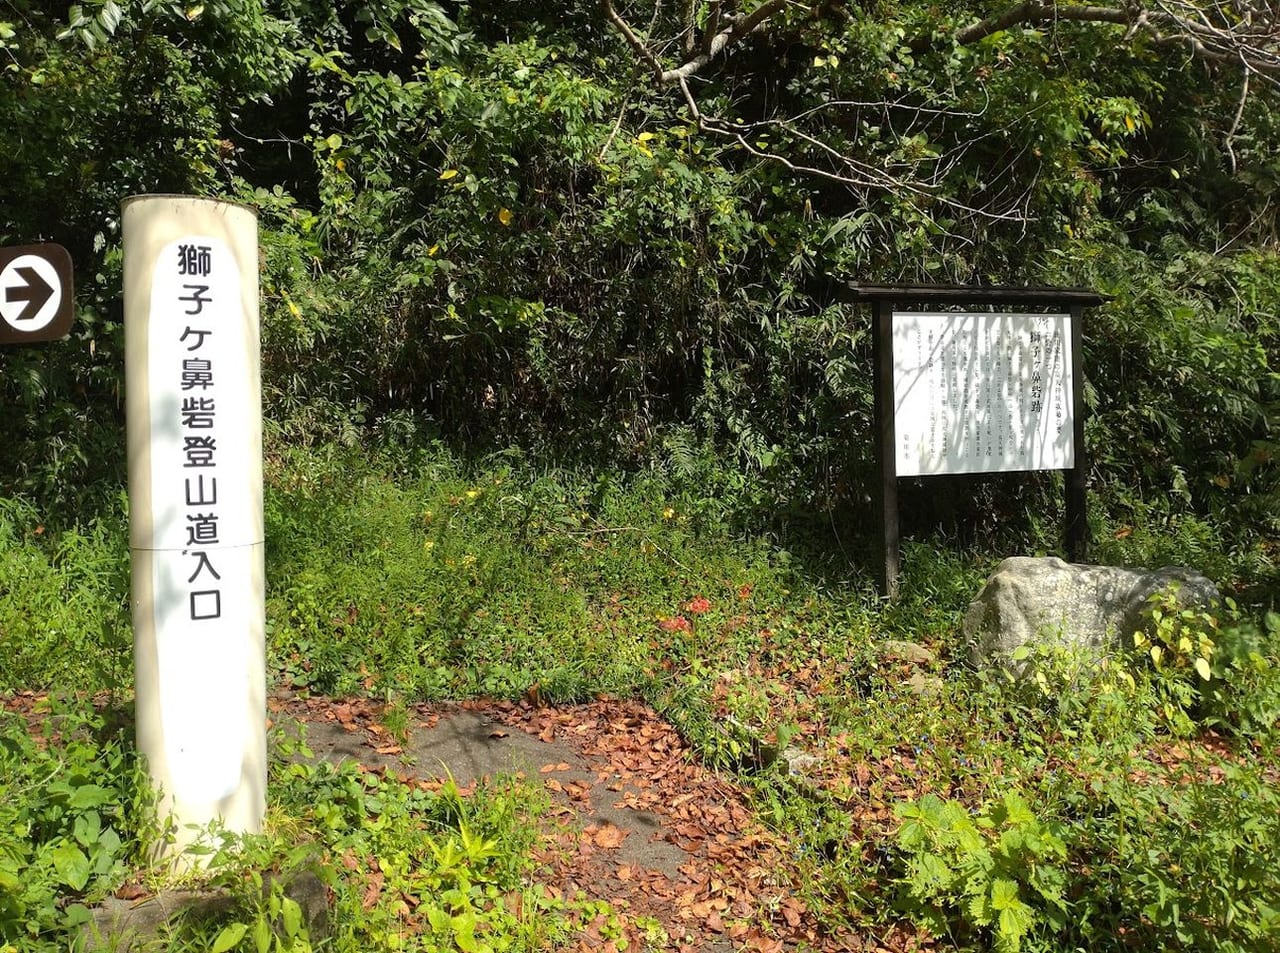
982 393
205 512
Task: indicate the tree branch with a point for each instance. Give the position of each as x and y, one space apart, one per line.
722 32
1226 36
1032 11
629 35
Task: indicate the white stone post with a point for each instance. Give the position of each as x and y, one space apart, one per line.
193 403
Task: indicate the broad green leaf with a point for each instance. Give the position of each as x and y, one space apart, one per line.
262 935
76 915
912 834
969 838
229 937
111 16
980 909
464 932
87 829
439 919
931 874
9 881
89 795
71 865
291 914
1016 810
1004 893
1202 667
1015 921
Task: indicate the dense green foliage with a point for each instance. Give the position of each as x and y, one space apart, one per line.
61 591
76 826
68 815
484 224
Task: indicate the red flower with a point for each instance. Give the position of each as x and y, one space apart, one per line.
676 624
698 605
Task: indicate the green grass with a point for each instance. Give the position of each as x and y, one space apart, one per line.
64 602
454 584
76 824
1129 807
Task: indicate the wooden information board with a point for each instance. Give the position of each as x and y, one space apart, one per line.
977 380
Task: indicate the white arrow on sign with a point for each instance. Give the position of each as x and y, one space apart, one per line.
30 293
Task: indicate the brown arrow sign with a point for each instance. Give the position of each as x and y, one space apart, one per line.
37 298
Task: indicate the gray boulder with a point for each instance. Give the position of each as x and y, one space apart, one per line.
146 925
1048 602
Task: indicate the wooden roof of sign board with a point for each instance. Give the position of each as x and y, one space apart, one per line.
974 294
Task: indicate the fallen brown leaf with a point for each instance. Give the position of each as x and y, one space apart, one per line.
372 891
132 892
609 836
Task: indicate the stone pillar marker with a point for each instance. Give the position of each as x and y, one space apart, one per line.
193 403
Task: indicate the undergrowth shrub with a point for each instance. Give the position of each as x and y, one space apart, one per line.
462 580
455 870
71 809
1153 773
64 602
1243 696
1182 862
1214 669
997 873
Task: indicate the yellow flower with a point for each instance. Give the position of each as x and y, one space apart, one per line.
668 513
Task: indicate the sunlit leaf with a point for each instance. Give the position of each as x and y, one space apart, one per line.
71 865
229 937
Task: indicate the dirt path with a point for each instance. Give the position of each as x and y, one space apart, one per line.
637 821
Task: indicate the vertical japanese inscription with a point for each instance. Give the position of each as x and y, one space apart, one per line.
194 262
201 354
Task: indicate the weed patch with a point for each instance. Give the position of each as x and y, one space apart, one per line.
1127 805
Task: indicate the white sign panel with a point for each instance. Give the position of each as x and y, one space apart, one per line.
204 511
982 392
